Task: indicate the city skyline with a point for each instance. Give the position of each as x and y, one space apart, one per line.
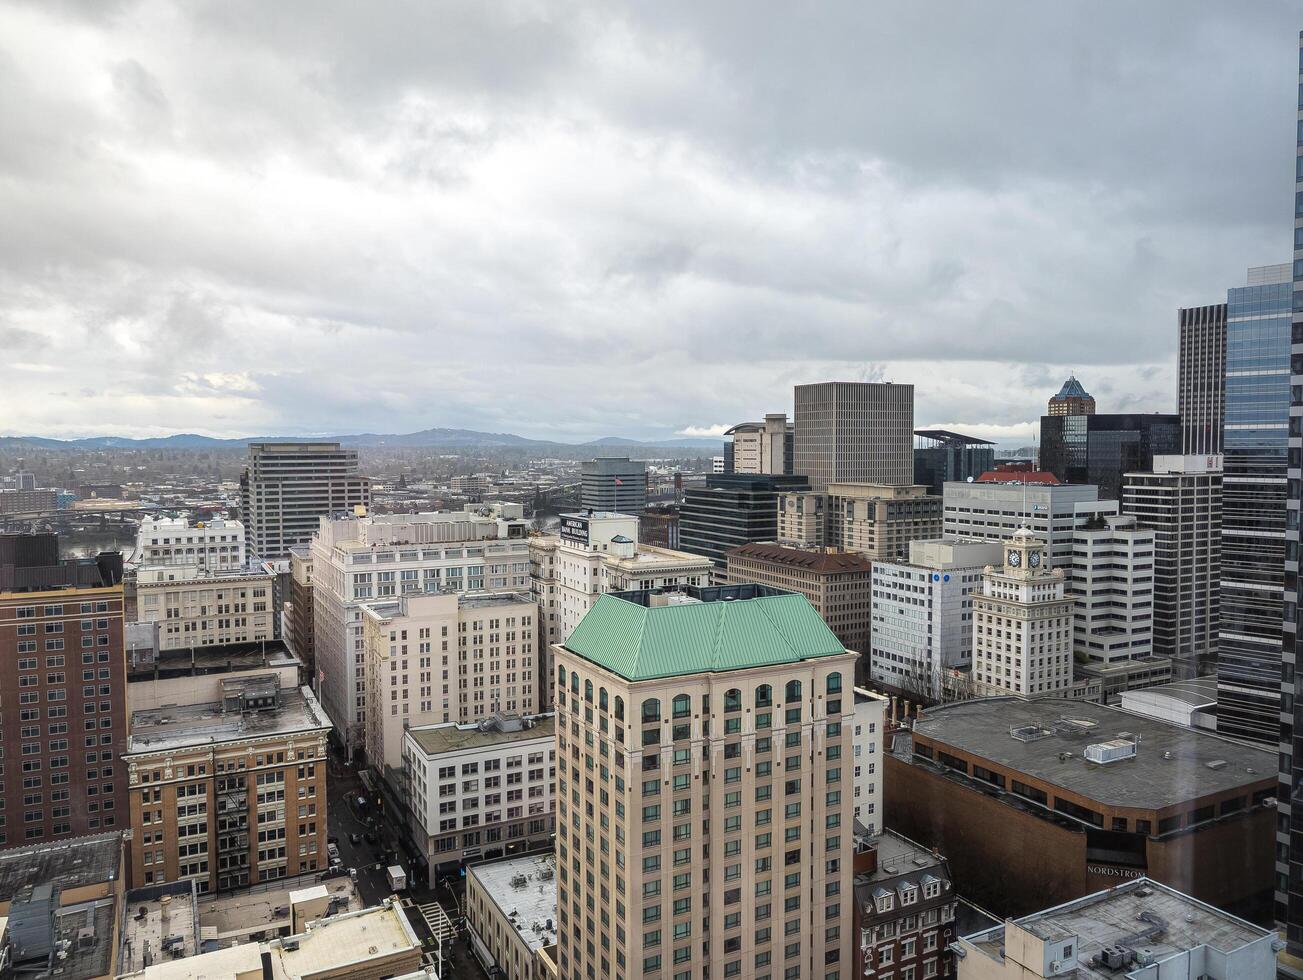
218 237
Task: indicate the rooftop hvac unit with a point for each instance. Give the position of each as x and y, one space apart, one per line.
1113 750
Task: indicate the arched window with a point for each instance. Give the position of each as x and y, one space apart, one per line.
764 696
651 710
682 706
588 691
601 699
834 683
561 678
793 692
619 708
733 700
574 684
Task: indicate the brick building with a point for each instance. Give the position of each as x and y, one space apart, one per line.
838 585
63 715
905 909
226 773
1043 801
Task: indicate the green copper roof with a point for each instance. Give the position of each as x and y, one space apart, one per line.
642 643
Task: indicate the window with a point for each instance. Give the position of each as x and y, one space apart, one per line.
764 696
651 711
793 692
732 700
834 684
682 706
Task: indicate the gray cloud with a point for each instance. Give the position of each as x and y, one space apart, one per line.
575 220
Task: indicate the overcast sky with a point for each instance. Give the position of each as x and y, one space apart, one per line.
572 220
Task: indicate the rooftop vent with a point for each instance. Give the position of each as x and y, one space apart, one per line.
1216 764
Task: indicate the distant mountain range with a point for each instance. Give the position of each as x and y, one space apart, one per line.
426 438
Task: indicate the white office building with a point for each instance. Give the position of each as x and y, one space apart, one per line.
923 615
994 511
1112 583
358 559
482 790
216 545
870 735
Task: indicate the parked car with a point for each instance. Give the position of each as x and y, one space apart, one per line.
333 851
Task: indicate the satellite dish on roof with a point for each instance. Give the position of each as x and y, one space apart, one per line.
970 479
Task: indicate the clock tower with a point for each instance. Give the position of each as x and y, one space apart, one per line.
1022 624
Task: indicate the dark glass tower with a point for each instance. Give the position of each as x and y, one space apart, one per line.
1289 856
1254 446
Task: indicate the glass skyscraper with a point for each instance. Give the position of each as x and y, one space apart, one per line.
1289 833
1254 445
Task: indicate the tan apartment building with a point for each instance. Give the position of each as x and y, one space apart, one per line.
704 791
838 584
874 519
297 624
194 608
228 788
445 658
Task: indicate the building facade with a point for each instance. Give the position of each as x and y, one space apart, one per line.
1071 399
216 545
1106 447
729 511
511 916
1201 384
1111 583
880 521
287 487
613 483
198 609
993 509
760 447
596 553
1289 864
801 519
482 790
922 616
1254 492
1066 797
659 527
854 432
63 684
1182 502
298 629
949 457
905 910
1022 624
229 793
451 658
739 697
869 737
354 560
836 583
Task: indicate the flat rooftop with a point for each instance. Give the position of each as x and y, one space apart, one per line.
240 961
150 921
354 938
94 959
1172 763
189 726
438 739
236 917
1143 915
71 863
525 904
221 658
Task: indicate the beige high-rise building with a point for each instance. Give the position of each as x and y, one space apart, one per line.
880 521
447 658
1022 624
801 518
194 608
704 788
761 447
854 432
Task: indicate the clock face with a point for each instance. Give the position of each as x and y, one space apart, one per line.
1034 559
1015 558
